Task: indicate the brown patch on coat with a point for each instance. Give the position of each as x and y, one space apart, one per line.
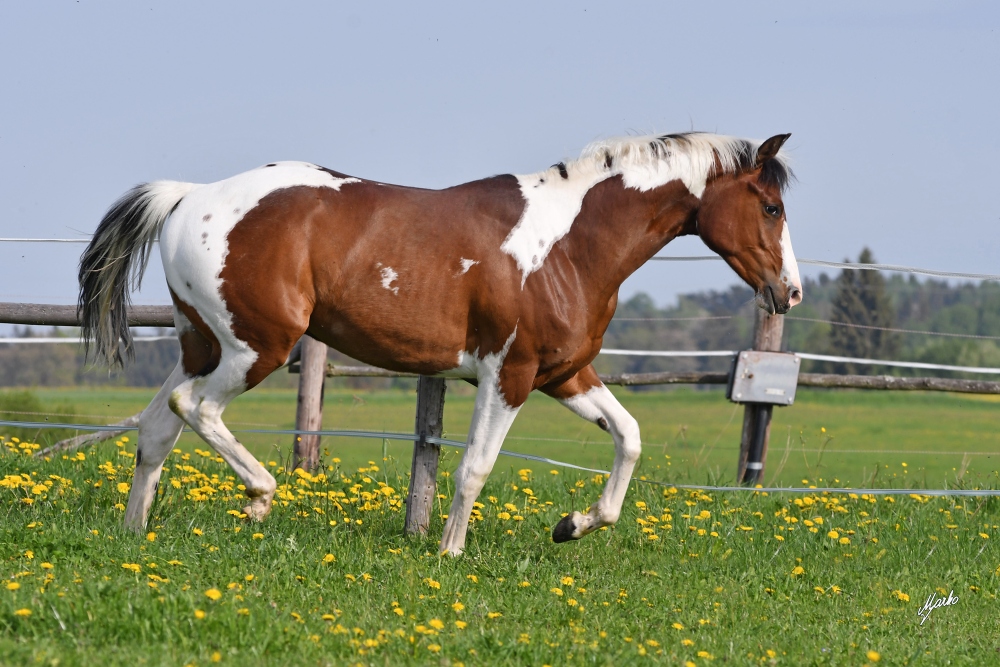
200 349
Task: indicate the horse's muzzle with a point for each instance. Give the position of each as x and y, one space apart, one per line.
768 301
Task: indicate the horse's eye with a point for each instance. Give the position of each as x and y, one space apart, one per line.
772 210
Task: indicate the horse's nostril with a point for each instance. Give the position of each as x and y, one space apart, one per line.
794 296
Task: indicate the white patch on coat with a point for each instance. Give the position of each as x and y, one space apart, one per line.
389 275
596 404
790 267
552 203
193 241
466 265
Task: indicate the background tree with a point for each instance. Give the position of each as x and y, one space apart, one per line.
861 298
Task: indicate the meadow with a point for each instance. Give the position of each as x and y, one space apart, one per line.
686 577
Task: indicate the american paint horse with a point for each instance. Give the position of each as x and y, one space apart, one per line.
509 282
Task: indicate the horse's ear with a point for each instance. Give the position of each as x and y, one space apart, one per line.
770 148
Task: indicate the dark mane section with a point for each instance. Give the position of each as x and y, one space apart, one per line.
773 173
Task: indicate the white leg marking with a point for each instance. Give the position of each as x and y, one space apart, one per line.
159 429
789 267
200 402
491 419
599 403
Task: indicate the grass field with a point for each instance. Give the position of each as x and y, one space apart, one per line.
943 438
685 577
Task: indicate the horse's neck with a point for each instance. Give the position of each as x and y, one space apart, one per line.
619 229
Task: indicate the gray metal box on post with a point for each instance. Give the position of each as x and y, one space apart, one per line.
757 415
760 380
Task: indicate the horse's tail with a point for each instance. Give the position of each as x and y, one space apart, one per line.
115 261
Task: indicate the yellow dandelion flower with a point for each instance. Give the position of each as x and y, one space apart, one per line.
216 657
458 606
249 577
493 614
123 487
557 591
567 581
833 534
199 614
677 626
398 611
845 540
687 642
150 537
213 594
433 648
258 536
46 566
797 570
13 586
23 612
901 596
197 531
525 584
436 623
874 656
432 584
461 625
329 558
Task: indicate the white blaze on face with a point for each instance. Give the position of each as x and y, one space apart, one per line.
790 268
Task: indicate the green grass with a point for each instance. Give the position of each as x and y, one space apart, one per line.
731 594
950 438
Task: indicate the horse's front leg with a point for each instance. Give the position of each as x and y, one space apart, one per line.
587 396
501 394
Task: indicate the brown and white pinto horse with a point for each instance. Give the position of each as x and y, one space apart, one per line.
517 276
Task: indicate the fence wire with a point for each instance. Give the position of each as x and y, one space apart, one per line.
412 437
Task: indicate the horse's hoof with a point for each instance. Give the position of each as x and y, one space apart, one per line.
258 509
563 532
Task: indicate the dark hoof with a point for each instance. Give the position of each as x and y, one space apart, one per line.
563 532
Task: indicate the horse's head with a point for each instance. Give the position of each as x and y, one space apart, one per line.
742 217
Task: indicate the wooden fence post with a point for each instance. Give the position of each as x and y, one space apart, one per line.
309 411
757 416
423 472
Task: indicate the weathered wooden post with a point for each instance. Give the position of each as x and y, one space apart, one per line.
309 411
757 416
423 472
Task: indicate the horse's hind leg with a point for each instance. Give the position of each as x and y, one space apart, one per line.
159 429
200 402
587 396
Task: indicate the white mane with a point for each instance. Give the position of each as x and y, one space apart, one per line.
647 162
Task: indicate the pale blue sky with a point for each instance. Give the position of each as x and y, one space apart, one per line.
892 108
